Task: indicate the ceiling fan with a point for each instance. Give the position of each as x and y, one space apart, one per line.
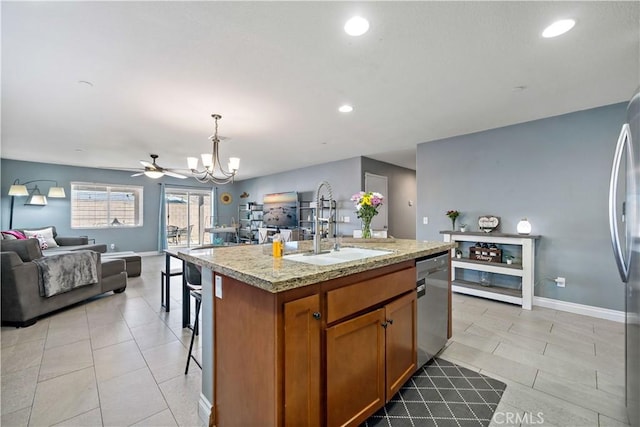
155 171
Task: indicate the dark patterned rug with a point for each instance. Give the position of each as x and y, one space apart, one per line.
441 394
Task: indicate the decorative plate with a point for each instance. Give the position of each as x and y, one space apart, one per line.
488 223
226 198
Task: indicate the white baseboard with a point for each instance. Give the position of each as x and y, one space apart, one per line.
150 253
586 310
204 409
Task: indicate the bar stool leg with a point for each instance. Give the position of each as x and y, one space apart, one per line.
164 291
193 336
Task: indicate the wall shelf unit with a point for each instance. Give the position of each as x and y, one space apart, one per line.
307 212
250 220
523 268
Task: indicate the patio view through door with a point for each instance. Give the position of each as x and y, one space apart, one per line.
189 213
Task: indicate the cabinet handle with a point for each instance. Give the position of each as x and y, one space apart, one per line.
384 325
390 321
317 315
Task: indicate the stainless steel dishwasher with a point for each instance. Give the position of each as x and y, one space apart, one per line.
432 286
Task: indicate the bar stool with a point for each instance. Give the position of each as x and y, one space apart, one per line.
165 286
194 284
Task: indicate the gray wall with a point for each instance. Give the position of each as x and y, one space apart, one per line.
58 211
346 178
342 175
553 171
402 189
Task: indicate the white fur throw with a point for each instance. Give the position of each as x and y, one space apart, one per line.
64 272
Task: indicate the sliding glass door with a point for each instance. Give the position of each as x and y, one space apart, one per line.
189 213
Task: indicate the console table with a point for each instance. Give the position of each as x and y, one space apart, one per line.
523 267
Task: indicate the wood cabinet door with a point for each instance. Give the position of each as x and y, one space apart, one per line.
302 334
355 369
401 344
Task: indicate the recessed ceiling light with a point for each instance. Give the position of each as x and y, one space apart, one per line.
356 26
558 28
345 108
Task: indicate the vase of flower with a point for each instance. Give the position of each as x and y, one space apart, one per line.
367 204
366 229
453 215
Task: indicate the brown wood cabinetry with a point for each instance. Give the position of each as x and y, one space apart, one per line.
355 368
368 359
302 328
313 356
401 342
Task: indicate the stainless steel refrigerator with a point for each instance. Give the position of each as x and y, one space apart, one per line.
624 223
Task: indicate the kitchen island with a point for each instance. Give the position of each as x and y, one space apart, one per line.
294 343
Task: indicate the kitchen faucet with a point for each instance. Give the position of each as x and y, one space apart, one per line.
317 237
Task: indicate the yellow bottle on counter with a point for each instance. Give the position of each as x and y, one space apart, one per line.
277 248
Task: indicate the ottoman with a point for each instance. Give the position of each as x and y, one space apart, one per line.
133 261
113 276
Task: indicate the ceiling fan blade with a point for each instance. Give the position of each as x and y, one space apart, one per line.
173 174
138 174
146 164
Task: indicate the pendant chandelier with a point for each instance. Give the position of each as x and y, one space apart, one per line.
213 171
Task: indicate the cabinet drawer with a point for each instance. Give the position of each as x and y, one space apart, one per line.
350 299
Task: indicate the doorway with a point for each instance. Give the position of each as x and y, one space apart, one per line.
189 213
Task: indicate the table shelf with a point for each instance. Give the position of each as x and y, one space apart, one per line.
523 270
513 296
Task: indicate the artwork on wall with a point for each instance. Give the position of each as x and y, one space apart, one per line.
280 210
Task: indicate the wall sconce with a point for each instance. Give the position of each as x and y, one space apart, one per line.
34 197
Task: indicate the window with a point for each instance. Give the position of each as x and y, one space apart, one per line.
104 206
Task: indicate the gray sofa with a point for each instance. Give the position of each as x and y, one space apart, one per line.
21 302
67 243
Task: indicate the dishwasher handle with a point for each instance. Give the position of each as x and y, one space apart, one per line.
435 270
421 288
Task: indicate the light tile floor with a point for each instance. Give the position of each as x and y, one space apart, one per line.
561 369
118 360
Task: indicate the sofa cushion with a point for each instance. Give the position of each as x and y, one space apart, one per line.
99 247
13 235
27 250
46 233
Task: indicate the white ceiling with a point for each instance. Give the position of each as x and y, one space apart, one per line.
278 71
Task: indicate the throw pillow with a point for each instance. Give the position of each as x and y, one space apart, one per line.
47 233
13 234
42 240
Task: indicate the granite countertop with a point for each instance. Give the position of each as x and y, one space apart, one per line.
254 264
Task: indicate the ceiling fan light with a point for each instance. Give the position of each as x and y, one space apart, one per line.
56 193
207 160
234 163
192 163
154 174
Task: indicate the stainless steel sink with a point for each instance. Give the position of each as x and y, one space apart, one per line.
336 257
